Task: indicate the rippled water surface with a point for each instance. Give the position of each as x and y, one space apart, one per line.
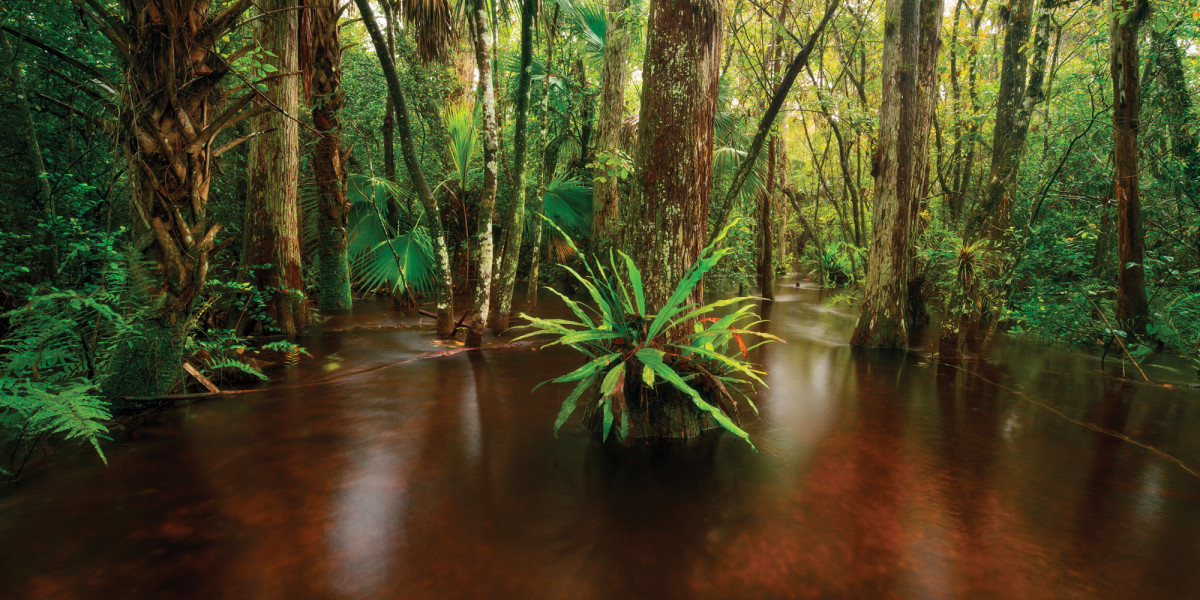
878 477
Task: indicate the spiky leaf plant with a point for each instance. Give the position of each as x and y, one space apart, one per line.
630 345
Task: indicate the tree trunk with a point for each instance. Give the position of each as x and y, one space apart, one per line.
23 183
389 127
668 212
514 222
445 292
487 196
881 320
766 263
271 250
930 45
546 170
1014 110
1132 306
167 127
323 68
609 122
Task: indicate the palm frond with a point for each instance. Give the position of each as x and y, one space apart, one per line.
568 204
406 260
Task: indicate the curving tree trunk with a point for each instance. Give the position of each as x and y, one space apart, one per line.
443 283
1132 305
667 220
271 248
322 62
514 222
609 121
882 315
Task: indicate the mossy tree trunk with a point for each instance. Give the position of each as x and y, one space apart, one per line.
1014 110
322 61
667 220
487 196
882 315
609 121
514 221
271 248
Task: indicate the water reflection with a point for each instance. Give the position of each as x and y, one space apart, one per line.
879 476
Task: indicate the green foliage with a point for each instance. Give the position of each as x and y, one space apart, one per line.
677 344
568 204
616 165
380 257
56 347
464 137
834 262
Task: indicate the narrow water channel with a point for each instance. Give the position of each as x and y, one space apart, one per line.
1027 476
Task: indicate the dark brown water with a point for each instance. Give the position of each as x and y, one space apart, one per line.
878 477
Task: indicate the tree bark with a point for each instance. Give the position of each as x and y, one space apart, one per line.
487 196
389 126
609 122
167 128
323 68
445 293
514 221
1014 110
1132 305
668 211
271 249
882 315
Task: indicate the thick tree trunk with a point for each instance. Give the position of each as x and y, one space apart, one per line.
443 283
324 86
930 45
668 210
545 170
23 183
487 196
514 221
271 250
1132 306
167 126
881 320
609 122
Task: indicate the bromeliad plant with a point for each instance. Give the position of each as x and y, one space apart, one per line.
639 355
